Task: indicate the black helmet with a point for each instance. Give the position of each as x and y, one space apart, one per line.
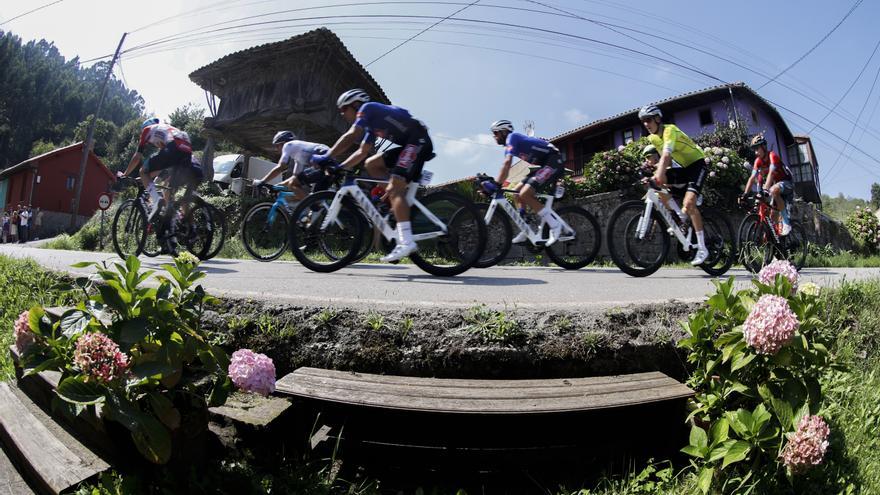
283 137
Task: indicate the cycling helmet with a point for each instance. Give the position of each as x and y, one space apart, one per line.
649 150
649 111
352 96
149 122
283 137
758 140
501 125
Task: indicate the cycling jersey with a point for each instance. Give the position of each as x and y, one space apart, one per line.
677 144
300 152
161 135
388 122
528 149
780 171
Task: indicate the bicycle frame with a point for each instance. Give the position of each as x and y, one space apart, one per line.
499 201
652 201
350 188
280 202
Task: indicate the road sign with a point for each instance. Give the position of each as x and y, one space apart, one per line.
103 201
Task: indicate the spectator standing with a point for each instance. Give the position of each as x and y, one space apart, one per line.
25 221
13 226
38 223
5 227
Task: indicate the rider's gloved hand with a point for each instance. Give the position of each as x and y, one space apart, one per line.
321 160
489 187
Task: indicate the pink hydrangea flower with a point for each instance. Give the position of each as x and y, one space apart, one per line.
806 447
252 372
768 274
770 325
99 357
24 337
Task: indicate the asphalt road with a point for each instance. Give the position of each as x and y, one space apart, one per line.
374 285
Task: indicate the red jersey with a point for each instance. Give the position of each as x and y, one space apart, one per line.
160 135
780 170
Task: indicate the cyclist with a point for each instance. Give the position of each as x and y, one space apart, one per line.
652 158
778 179
371 120
174 150
681 162
300 153
535 152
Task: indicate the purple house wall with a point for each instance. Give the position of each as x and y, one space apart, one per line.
694 113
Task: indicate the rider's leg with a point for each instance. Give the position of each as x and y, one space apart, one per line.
528 196
690 208
376 167
780 207
405 165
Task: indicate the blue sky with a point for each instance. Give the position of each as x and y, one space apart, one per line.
460 76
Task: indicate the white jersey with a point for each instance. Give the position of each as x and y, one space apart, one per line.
300 153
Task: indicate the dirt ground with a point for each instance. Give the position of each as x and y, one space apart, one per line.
458 343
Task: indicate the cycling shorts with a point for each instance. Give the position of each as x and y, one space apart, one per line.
689 178
169 156
548 175
408 160
786 187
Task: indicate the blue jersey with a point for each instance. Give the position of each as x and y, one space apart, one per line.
528 149
387 122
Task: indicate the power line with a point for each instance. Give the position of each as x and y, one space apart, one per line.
851 10
380 57
859 76
19 16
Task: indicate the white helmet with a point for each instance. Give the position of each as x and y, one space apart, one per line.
352 96
650 111
501 125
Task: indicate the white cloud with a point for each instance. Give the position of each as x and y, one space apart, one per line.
463 156
576 116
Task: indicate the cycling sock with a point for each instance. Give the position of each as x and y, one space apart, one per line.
547 217
785 217
701 240
404 233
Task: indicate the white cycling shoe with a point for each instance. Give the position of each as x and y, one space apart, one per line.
700 257
400 251
786 229
520 238
555 234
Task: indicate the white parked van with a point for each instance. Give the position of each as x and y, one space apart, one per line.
227 168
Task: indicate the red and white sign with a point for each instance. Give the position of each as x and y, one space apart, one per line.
104 201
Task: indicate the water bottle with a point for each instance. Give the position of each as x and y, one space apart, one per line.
560 191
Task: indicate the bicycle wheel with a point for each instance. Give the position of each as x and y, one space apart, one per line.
368 240
129 229
218 219
718 235
342 238
265 234
464 241
499 232
196 231
579 247
796 245
748 243
638 257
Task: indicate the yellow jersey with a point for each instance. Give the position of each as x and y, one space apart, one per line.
678 144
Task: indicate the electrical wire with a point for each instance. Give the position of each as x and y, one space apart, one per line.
859 76
423 31
851 10
41 7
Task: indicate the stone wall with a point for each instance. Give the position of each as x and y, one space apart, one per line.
820 228
55 223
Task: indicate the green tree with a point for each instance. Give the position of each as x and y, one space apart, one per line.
41 147
105 134
190 118
875 195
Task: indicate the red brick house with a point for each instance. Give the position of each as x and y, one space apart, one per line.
48 182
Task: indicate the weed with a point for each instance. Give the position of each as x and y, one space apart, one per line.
493 326
405 327
375 321
563 324
326 316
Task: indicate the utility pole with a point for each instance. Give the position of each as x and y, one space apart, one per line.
87 145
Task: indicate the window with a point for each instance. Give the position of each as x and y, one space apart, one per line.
754 116
71 182
705 117
803 153
627 136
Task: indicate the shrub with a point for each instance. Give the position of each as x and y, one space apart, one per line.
757 355
865 229
139 352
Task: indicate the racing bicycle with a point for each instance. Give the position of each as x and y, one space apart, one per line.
761 239
577 246
639 233
448 228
